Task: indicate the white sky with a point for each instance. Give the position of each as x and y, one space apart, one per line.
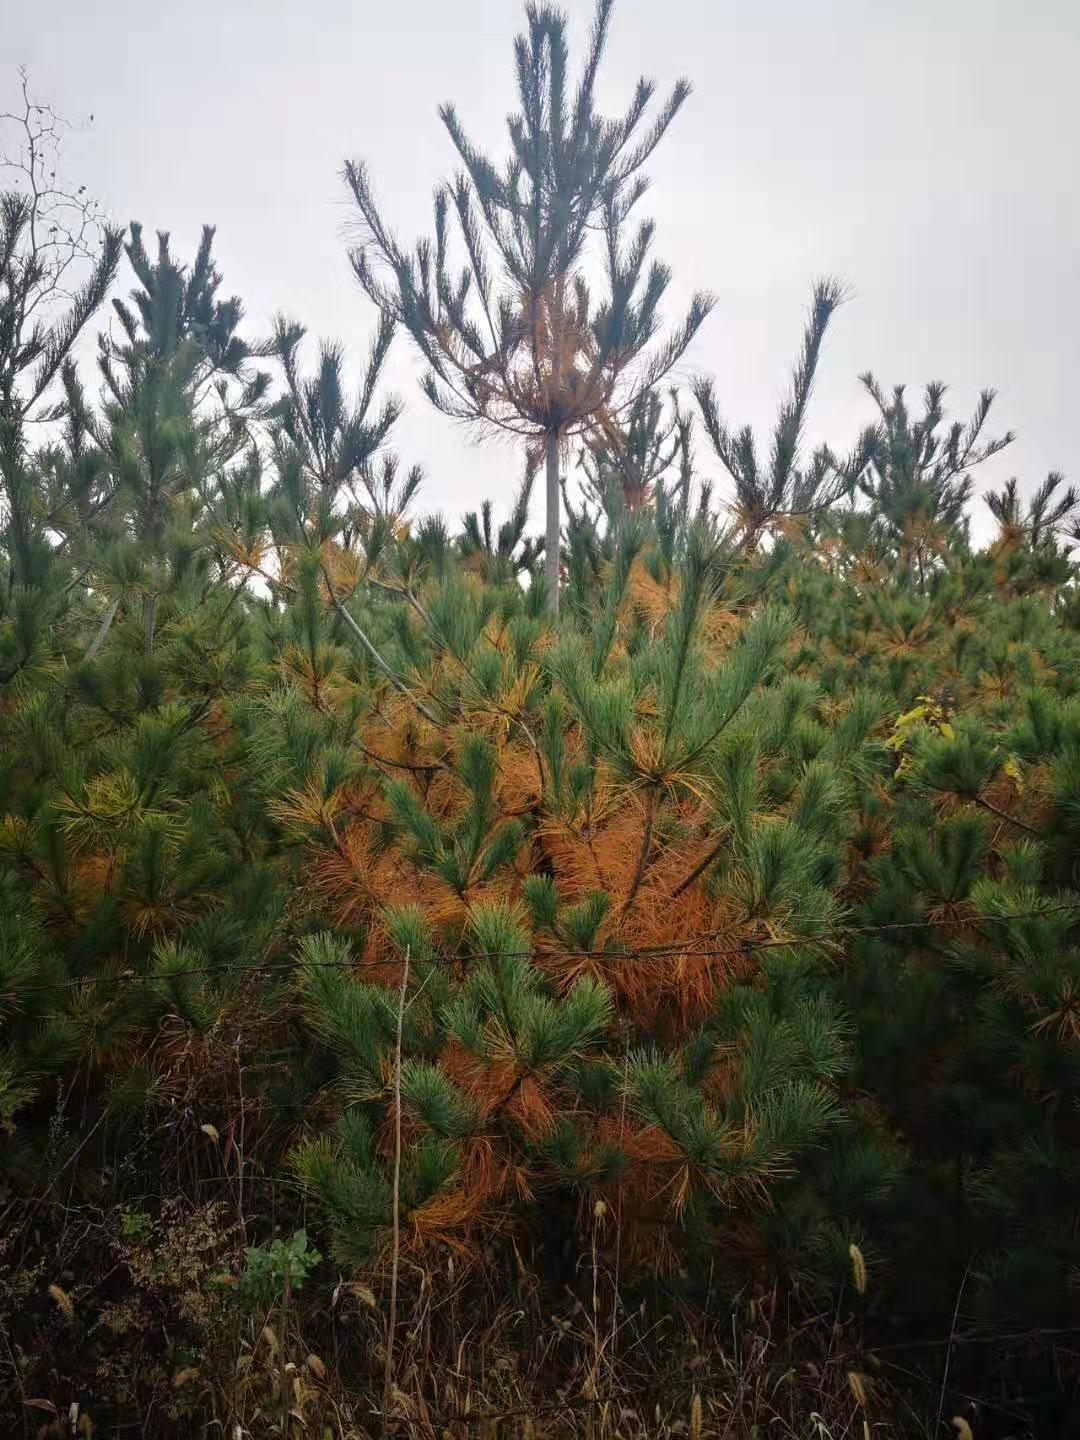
925 150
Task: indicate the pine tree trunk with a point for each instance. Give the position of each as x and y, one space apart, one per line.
149 606
551 544
103 630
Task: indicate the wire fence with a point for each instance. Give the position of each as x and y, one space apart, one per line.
690 947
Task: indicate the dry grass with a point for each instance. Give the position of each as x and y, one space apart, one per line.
155 1336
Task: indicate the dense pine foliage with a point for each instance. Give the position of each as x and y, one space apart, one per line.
720 928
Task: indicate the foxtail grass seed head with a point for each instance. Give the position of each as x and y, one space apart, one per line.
963 1429
858 1268
695 1417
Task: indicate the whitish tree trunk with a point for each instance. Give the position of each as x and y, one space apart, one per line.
99 638
554 509
149 606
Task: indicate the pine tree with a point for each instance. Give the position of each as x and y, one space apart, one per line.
783 489
647 459
339 447
920 481
960 986
516 341
1029 552
121 846
182 393
507 553
549 954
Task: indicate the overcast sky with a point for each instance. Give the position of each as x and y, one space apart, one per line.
925 150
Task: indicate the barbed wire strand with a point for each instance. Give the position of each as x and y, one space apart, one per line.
689 947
